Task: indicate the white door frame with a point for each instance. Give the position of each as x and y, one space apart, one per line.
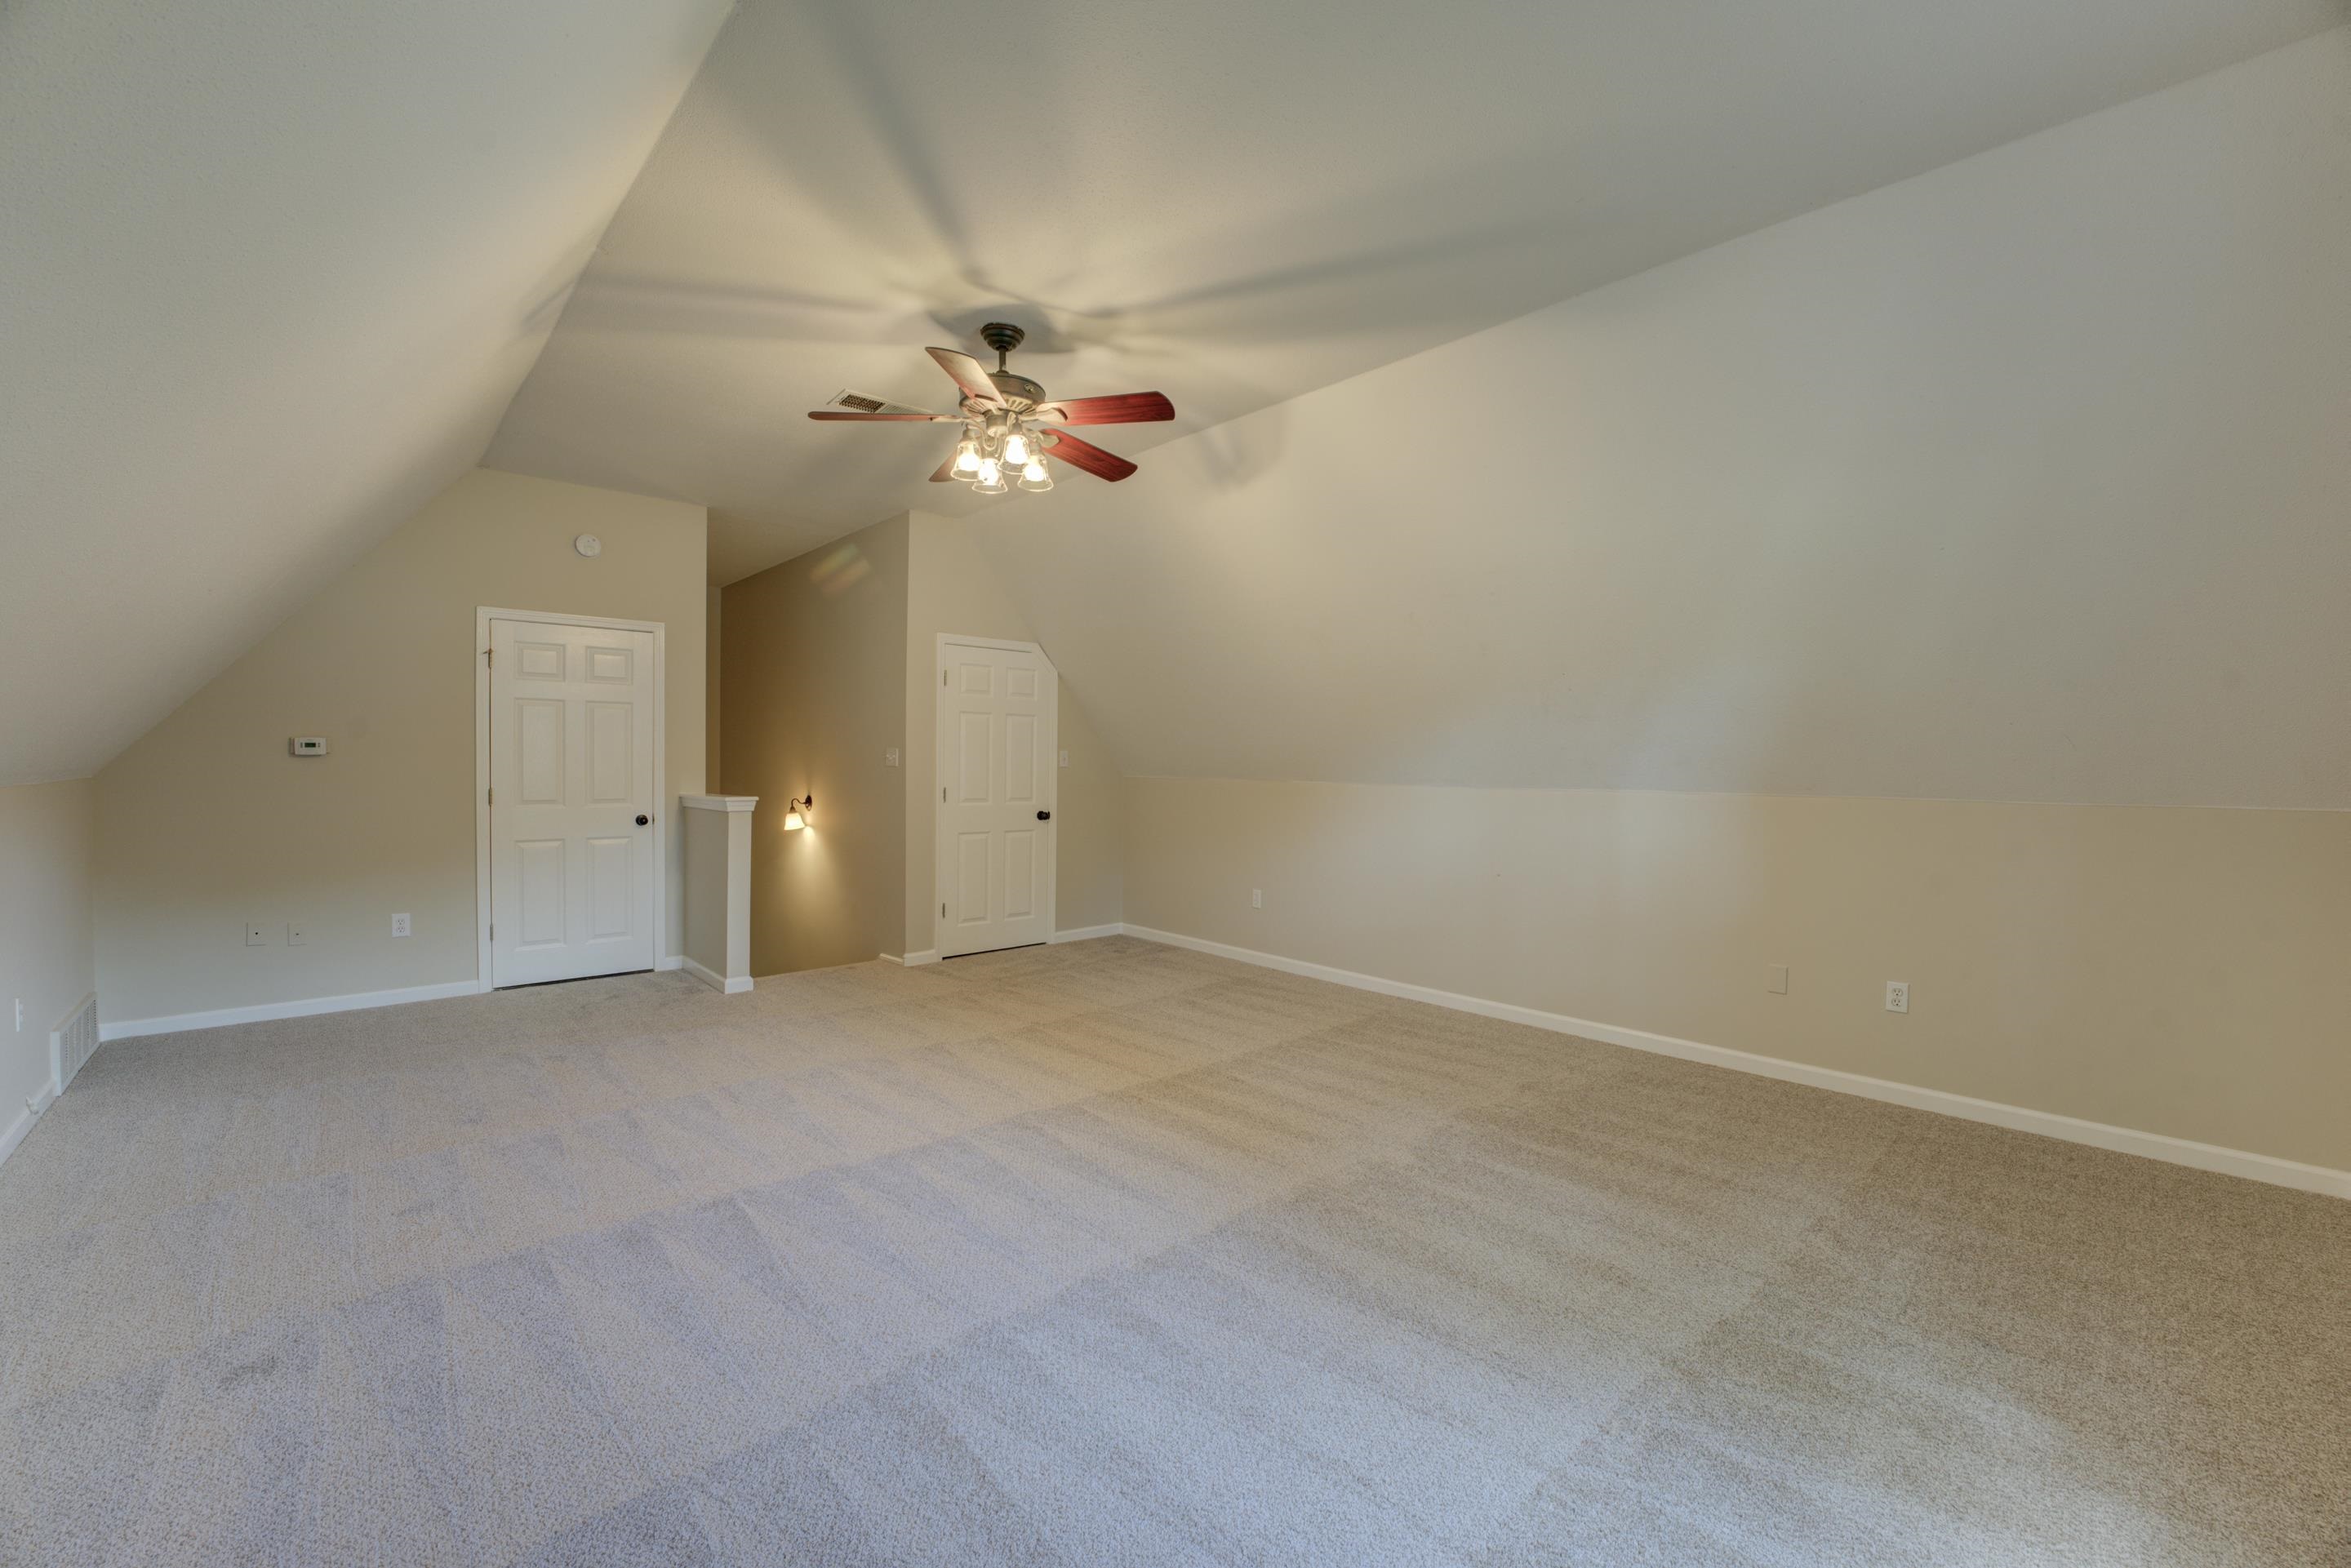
939 771
484 969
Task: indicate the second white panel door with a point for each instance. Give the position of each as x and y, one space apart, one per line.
996 752
571 802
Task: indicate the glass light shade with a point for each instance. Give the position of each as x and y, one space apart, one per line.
793 819
1035 476
991 477
966 459
1016 449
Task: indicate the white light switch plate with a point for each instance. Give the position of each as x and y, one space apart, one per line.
1775 978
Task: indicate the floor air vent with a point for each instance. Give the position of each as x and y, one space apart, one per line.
72 1042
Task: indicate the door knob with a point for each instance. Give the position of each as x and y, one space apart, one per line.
643 819
1044 816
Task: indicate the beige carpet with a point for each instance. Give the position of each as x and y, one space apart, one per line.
1111 1254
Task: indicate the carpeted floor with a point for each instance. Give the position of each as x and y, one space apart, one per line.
1113 1253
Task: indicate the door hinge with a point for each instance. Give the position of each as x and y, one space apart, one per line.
943 677
943 912
943 794
490 798
493 930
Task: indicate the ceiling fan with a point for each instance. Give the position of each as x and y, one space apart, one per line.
1008 421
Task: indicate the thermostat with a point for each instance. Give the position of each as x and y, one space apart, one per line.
589 544
308 746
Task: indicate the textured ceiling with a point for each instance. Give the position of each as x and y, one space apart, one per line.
1230 201
269 273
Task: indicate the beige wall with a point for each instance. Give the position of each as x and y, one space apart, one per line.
712 604
2174 970
47 954
206 823
951 588
814 696
1090 877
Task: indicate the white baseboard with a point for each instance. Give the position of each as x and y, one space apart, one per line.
930 955
27 1114
1087 932
715 980
2048 1124
126 1029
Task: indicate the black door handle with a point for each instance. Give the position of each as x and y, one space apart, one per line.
643 819
1044 816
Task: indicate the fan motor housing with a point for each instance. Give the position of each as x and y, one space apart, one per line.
1017 389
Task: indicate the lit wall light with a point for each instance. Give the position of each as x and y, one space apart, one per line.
798 811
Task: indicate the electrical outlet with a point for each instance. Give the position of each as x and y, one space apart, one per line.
1775 978
1897 996
1065 759
293 936
1257 898
889 758
255 935
400 926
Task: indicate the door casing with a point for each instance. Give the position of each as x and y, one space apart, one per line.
940 762
484 969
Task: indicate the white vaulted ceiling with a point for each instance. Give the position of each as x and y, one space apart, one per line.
1230 201
2023 479
270 272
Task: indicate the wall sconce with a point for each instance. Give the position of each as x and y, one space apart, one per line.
798 810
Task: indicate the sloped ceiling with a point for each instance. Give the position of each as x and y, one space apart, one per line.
270 272
2025 480
1230 201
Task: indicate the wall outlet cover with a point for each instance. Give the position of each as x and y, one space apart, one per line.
1775 978
255 935
1897 996
400 926
1257 898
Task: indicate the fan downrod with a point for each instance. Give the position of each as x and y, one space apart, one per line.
1003 337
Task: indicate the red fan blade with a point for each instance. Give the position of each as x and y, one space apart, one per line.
945 471
885 418
969 375
1125 408
1085 454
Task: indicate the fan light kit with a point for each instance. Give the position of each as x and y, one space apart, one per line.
1008 423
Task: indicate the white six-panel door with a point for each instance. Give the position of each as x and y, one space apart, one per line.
572 866
997 750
